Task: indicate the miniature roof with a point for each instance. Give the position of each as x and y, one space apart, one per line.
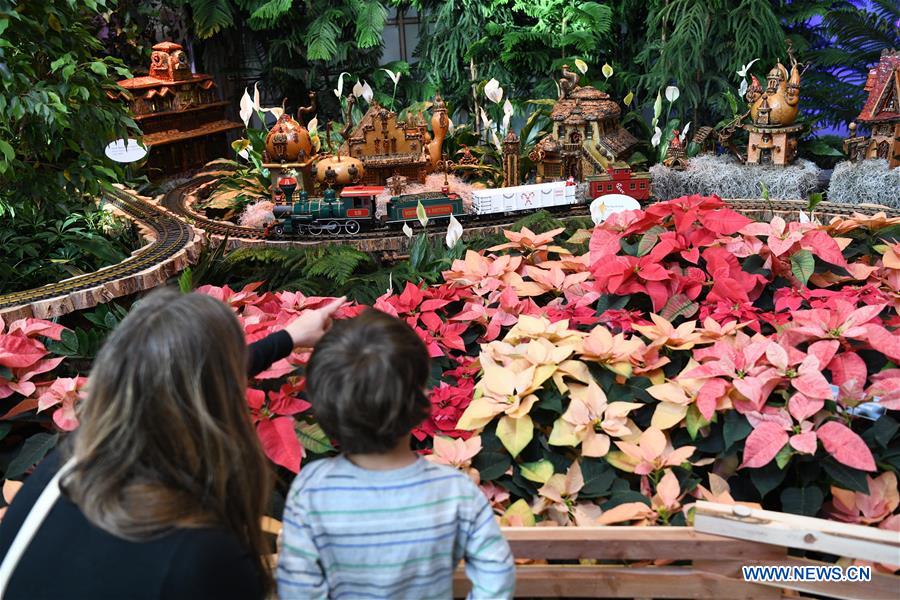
372 126
617 143
167 47
583 104
883 85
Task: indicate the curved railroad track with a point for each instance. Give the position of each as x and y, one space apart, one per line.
172 235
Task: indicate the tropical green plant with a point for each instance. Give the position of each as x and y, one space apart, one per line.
55 121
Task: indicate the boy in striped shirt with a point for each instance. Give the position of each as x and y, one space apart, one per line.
379 521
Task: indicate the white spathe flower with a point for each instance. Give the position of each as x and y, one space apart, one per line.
485 119
390 288
628 99
742 89
496 141
276 111
743 70
339 90
454 231
684 131
313 125
395 77
421 214
672 93
507 113
256 96
357 88
407 229
657 136
450 126
581 65
804 218
657 107
246 108
367 92
607 70
493 91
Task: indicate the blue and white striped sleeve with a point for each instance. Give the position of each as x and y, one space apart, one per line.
299 573
489 561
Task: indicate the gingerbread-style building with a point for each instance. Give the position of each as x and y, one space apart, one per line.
388 147
881 113
586 136
179 112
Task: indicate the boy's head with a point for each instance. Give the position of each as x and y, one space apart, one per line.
366 380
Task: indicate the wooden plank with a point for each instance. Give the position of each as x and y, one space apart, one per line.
631 543
882 585
579 581
793 531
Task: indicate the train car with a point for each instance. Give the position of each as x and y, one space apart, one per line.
523 197
437 205
620 179
332 214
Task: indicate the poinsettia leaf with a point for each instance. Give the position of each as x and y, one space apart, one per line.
767 478
519 513
649 239
846 477
679 305
598 477
763 444
802 501
491 465
694 421
846 446
313 438
280 443
735 429
803 265
515 433
539 471
33 450
784 456
881 432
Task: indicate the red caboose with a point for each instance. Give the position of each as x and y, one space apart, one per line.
620 179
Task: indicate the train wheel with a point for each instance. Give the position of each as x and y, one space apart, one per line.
278 230
315 229
332 228
351 227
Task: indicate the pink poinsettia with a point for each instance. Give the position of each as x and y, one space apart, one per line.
64 393
857 507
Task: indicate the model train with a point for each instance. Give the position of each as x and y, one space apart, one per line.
354 208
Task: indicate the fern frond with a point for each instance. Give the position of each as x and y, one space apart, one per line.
267 15
211 16
370 18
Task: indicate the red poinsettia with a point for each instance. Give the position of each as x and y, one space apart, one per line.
273 415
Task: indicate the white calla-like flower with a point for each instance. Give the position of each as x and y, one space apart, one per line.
507 113
493 91
313 125
454 231
246 108
684 131
743 70
357 88
657 136
672 93
395 77
339 90
407 230
367 92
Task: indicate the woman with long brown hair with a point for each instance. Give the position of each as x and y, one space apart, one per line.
164 482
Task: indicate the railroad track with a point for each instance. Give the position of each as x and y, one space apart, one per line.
172 236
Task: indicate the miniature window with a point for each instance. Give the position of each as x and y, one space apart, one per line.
631 186
643 185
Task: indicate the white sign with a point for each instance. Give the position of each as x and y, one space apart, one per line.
610 204
125 151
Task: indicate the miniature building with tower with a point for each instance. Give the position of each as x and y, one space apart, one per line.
773 110
881 113
179 112
388 147
511 175
586 136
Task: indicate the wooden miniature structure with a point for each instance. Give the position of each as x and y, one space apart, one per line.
179 112
881 113
511 174
386 146
773 110
586 136
620 179
675 154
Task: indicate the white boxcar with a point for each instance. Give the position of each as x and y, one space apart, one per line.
523 197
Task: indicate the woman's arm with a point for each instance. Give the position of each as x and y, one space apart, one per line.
302 332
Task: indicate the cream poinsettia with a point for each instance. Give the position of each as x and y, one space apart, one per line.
663 333
651 453
457 453
590 421
557 497
615 352
677 395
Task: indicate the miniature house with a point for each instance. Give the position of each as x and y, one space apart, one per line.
179 112
881 113
388 147
586 136
773 110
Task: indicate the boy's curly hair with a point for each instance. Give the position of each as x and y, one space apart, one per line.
366 380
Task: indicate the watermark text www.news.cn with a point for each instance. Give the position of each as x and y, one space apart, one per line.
834 573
